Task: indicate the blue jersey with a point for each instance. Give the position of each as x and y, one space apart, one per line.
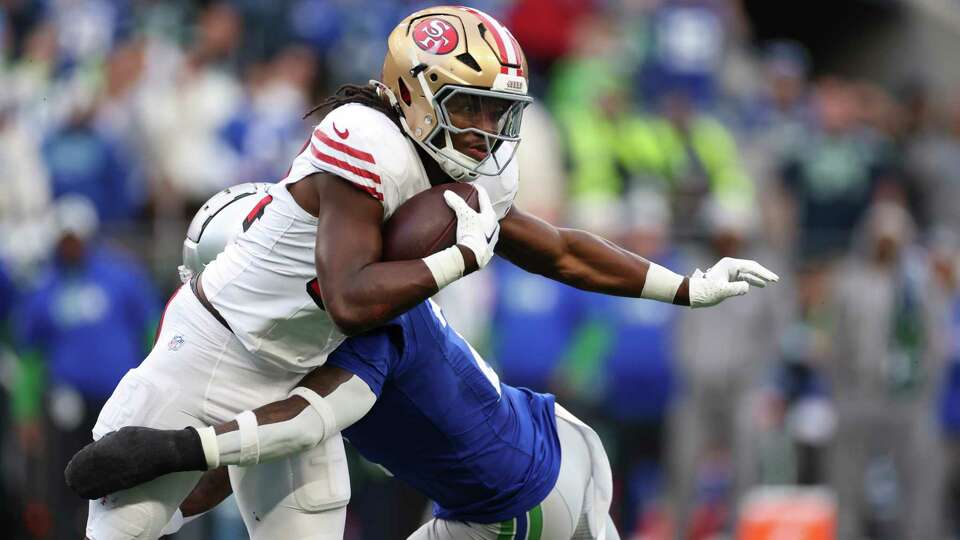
483 451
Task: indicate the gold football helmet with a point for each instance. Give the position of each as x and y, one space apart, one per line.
459 80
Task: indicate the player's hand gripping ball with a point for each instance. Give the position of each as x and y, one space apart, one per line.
425 224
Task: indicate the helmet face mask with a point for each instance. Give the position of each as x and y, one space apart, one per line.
473 125
457 78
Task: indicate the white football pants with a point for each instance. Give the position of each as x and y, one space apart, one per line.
199 374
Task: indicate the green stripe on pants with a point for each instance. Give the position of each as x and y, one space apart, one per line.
508 529
536 523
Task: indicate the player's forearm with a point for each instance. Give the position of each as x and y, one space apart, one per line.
585 260
377 293
133 455
596 264
289 426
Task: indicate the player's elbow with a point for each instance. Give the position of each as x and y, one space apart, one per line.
348 317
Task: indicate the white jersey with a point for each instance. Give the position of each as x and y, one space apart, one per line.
264 284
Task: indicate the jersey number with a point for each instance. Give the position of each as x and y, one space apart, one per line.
482 364
313 289
256 212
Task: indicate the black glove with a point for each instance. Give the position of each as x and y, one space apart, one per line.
131 456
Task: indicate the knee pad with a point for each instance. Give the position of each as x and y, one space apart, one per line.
321 479
139 513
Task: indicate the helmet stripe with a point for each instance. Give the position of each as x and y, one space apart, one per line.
505 42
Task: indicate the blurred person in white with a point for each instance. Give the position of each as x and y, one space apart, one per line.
885 306
25 185
934 161
185 111
710 445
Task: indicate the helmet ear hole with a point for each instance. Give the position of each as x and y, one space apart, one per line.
404 92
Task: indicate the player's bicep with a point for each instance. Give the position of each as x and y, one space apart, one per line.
348 231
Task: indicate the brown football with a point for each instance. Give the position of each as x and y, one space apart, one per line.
424 224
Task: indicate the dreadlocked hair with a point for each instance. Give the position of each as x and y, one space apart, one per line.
354 93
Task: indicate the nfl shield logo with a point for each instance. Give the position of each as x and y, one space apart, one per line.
175 343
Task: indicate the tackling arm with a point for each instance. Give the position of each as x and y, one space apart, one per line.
588 262
328 400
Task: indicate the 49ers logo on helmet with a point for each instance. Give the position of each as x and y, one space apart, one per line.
436 36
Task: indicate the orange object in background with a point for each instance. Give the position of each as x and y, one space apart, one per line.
783 512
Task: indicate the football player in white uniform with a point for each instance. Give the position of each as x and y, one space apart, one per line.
306 272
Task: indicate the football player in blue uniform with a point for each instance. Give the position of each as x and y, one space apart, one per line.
499 462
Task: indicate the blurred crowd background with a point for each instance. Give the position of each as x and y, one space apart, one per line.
822 139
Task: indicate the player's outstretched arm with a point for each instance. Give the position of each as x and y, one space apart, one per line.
326 401
359 291
592 263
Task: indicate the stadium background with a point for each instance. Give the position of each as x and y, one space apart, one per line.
820 138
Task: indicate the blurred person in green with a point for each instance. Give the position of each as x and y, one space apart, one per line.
885 309
614 147
713 462
84 322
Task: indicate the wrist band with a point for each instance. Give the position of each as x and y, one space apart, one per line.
249 438
211 448
661 284
446 266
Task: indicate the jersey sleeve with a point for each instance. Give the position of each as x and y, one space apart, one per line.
360 145
370 356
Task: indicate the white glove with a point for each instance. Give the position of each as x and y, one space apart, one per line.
729 277
478 231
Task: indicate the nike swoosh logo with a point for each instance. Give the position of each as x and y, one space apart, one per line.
342 134
490 238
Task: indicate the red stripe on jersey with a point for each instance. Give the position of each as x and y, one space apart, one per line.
349 150
326 158
376 194
164 314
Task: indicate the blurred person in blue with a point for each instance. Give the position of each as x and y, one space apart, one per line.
87 320
947 267
885 309
712 462
634 358
686 50
85 161
531 328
